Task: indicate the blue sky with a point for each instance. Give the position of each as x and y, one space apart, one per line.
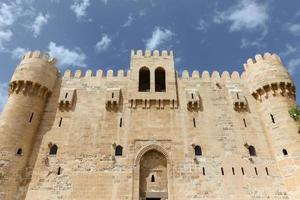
204 34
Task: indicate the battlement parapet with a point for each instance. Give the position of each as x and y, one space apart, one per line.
38 54
148 53
267 57
99 74
214 76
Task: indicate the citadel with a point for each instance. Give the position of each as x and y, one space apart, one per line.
149 133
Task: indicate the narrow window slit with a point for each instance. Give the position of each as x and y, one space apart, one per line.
121 122
192 96
59 171
31 117
233 170
203 171
66 95
237 95
112 95
273 119
60 122
222 170
267 171
256 171
243 171
194 121
245 123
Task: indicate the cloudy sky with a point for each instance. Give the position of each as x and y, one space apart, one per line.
205 35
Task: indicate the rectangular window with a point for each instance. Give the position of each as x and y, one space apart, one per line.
245 123
267 171
203 171
194 121
31 117
243 171
121 122
237 95
222 171
112 95
66 95
256 171
60 122
233 171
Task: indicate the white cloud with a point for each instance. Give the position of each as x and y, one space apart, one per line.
202 25
3 95
38 23
293 65
246 43
103 44
289 50
79 7
18 52
67 57
8 14
104 1
294 29
246 15
128 21
159 37
5 36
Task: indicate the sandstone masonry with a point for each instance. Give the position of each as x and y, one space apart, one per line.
149 134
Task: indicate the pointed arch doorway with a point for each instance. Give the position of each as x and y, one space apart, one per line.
153 176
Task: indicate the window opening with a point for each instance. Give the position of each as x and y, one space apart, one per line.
222 170
121 122
31 117
243 171
267 171
203 171
284 151
273 119
198 151
144 80
59 171
160 80
232 171
66 95
119 151
256 171
60 122
194 122
152 179
252 151
19 151
245 123
53 150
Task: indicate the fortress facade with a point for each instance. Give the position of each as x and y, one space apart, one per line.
149 134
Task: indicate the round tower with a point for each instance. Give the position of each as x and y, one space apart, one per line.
29 89
271 85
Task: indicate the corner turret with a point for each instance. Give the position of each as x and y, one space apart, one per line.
29 89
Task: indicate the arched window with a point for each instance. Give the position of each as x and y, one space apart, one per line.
144 80
252 151
198 151
160 80
53 149
119 151
19 151
284 151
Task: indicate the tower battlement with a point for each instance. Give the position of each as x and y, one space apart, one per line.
148 53
259 59
40 55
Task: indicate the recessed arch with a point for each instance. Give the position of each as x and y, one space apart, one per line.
198 150
144 79
119 150
252 151
160 79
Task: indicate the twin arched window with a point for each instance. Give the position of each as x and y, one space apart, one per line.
144 79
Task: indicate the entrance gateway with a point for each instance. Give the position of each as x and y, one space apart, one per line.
153 176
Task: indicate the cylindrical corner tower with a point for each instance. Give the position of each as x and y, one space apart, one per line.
272 87
29 89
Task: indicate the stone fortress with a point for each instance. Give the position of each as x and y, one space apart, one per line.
149 134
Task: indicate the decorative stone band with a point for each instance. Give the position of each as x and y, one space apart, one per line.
29 88
148 103
286 89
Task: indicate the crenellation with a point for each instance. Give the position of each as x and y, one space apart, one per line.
149 133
